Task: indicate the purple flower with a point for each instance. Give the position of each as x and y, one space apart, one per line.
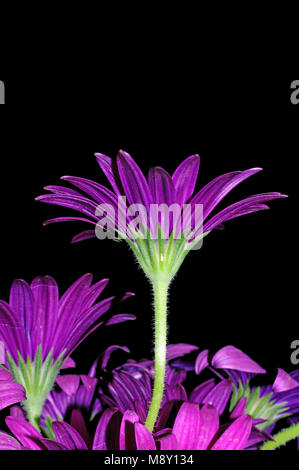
39 331
194 428
10 391
171 221
160 189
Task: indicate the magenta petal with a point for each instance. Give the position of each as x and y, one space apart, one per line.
239 409
85 235
46 297
201 391
11 393
161 186
236 435
7 442
186 426
167 442
202 361
77 422
24 432
219 395
68 436
209 425
53 445
89 383
120 318
107 433
144 439
107 353
5 375
68 383
110 170
69 363
230 357
284 382
127 433
184 178
179 349
245 206
133 180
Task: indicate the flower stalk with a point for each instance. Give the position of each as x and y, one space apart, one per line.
160 290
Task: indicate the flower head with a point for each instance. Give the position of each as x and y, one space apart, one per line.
170 222
39 331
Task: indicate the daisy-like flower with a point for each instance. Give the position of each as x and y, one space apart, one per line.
10 391
39 331
172 221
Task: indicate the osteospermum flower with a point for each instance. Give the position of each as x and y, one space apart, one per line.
39 331
171 221
10 391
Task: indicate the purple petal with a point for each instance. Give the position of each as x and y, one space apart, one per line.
89 383
239 409
107 353
186 426
85 235
77 422
127 432
68 383
109 168
81 204
184 178
7 442
120 318
68 436
209 425
52 445
179 349
11 331
236 435
144 439
107 432
167 442
67 219
5 375
161 186
22 303
46 297
11 393
25 432
230 357
201 391
202 361
69 363
284 382
211 194
133 180
219 395
246 206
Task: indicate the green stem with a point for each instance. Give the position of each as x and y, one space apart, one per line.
282 438
160 289
34 406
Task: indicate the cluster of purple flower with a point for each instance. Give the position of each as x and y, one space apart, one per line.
140 404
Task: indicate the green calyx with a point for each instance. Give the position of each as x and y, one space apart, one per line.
161 256
37 377
259 407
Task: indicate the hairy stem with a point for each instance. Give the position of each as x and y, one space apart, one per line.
160 288
282 438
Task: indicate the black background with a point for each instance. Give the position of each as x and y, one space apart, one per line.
241 287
